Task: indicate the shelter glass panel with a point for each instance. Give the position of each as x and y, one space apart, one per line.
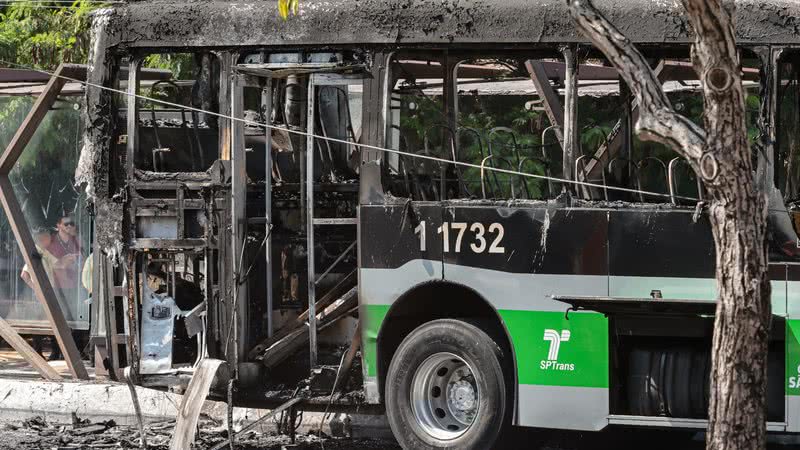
55 211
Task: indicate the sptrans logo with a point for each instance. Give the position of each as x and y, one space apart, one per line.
555 338
794 382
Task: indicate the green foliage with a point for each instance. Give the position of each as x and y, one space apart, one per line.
422 116
43 35
752 109
595 135
180 64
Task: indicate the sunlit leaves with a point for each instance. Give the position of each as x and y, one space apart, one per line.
284 6
180 64
44 35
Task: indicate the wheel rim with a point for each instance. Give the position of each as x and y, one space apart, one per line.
444 396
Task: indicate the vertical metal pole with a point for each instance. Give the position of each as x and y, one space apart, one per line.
107 288
626 150
132 311
133 115
132 306
450 92
238 219
627 122
770 86
226 60
312 311
386 105
570 111
266 103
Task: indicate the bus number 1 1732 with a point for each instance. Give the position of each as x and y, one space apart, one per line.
480 237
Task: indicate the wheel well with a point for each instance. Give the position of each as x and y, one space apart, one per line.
431 301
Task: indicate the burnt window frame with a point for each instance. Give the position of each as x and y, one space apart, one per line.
762 144
520 58
449 60
135 62
775 173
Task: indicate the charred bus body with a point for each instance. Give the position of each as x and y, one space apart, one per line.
481 298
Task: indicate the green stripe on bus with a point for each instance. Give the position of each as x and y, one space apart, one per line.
552 350
792 357
371 326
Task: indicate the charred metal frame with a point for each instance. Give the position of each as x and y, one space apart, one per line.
176 206
239 217
238 221
571 138
318 80
231 145
266 104
550 101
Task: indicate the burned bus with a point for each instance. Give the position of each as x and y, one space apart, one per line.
437 208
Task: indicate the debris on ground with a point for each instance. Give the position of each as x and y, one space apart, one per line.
37 433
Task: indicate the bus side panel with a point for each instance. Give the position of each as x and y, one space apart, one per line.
562 361
660 250
392 261
646 245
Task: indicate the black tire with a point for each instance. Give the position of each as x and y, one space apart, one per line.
638 381
484 358
655 387
677 382
697 382
707 383
775 382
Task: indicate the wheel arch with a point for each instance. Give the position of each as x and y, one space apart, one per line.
437 300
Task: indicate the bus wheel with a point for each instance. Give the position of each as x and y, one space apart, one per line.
445 388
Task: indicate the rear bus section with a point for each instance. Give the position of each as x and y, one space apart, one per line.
617 343
598 295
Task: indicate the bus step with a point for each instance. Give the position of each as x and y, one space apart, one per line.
299 336
336 292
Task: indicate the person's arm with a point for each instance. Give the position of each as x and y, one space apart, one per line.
26 277
66 261
86 275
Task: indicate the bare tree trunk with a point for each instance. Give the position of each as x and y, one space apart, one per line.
738 212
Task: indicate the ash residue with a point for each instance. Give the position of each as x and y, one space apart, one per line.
37 433
93 160
108 231
256 22
554 203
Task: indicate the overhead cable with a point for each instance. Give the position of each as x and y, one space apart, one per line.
356 144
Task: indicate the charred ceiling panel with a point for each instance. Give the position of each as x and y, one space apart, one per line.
222 23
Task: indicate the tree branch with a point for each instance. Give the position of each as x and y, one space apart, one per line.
658 121
713 31
716 60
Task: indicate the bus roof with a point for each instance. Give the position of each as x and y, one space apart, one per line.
217 23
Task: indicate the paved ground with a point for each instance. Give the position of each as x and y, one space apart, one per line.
37 434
